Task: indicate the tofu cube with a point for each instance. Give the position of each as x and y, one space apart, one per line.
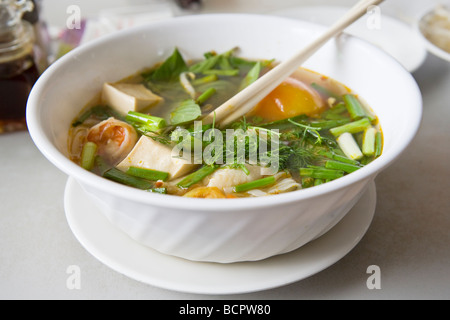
125 97
150 154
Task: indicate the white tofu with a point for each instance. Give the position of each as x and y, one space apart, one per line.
150 154
227 178
125 97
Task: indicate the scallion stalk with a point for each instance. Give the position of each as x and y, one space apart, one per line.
348 168
329 124
225 73
349 146
261 183
321 173
307 182
352 127
101 165
318 182
354 107
123 178
206 95
368 144
337 157
197 176
148 174
150 122
206 79
378 144
88 155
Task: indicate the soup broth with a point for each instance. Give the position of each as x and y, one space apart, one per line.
146 131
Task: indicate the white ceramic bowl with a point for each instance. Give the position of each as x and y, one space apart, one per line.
223 230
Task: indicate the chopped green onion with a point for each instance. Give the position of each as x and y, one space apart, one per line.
354 107
261 183
101 165
378 144
228 73
338 108
368 145
321 173
318 182
349 146
337 157
150 122
252 76
123 178
337 112
329 124
307 182
348 168
148 174
81 119
352 127
88 155
366 160
206 95
204 80
197 176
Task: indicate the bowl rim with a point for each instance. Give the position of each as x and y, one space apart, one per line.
51 152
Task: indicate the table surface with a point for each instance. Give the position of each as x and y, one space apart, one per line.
408 239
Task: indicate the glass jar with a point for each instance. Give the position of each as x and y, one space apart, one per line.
18 70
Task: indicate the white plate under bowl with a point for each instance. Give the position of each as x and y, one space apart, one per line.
395 37
124 255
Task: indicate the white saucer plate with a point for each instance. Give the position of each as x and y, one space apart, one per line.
396 38
124 255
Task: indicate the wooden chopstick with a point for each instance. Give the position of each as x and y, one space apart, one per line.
246 100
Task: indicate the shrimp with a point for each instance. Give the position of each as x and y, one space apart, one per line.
115 139
206 193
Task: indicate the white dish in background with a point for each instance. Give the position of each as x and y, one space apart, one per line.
395 37
121 253
432 48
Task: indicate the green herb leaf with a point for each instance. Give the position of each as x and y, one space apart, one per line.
252 76
187 111
171 68
204 65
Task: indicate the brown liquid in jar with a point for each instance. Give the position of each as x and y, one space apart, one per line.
17 77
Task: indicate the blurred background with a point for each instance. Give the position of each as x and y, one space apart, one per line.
54 11
59 26
92 19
